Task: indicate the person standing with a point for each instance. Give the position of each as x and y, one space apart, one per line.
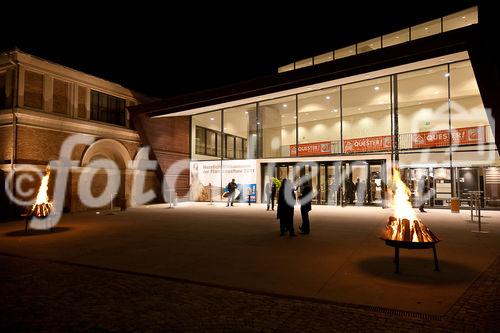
422 191
270 190
305 207
286 200
231 188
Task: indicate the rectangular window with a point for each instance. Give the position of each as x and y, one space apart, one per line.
286 68
82 107
107 108
304 63
325 57
395 38
461 19
206 139
318 123
369 45
426 29
229 146
211 143
345 52
33 90
277 127
200 140
239 148
60 99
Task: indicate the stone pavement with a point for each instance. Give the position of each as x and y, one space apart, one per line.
221 265
44 296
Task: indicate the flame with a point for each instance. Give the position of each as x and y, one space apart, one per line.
42 196
42 205
405 225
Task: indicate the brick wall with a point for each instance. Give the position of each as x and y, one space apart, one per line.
5 144
169 141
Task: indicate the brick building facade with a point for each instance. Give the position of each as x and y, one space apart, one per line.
42 103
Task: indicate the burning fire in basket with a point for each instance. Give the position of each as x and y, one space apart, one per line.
404 225
42 206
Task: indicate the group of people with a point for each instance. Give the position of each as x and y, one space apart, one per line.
286 204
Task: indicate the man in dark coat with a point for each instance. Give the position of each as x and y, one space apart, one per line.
270 190
231 188
305 207
286 199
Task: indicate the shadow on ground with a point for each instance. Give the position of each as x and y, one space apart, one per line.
418 270
32 232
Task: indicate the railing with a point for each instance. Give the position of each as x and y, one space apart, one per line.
447 23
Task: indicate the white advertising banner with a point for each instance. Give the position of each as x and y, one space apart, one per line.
213 176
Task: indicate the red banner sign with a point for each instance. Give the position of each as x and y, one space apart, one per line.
311 149
459 136
374 143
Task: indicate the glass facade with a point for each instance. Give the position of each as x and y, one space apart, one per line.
431 120
318 121
276 123
451 22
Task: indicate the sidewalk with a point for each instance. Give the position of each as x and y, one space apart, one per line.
343 260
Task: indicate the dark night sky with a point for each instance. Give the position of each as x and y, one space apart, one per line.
169 51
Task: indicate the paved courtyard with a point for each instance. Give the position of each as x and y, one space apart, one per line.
236 254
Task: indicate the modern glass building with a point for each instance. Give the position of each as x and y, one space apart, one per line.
414 98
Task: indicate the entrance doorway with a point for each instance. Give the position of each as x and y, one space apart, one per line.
335 182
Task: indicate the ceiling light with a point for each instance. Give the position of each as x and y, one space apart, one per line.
377 88
246 112
212 118
294 117
327 97
447 75
258 123
426 28
285 105
335 110
397 37
283 116
359 109
463 17
436 92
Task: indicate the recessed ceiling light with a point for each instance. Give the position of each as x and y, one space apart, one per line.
294 117
463 17
225 128
282 116
335 110
212 118
359 109
327 97
436 92
246 112
258 123
397 37
285 105
447 74
426 28
377 88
